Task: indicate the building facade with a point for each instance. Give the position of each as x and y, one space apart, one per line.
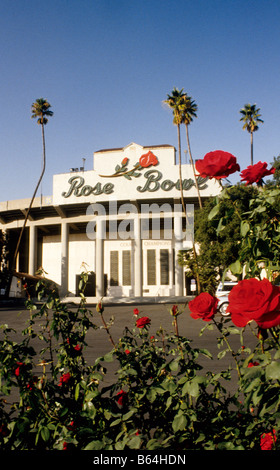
123 221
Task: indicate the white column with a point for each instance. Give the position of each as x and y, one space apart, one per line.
32 249
138 265
99 257
179 272
64 257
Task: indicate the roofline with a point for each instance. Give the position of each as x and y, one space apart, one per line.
143 146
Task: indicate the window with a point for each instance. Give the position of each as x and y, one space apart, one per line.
164 267
126 268
114 268
151 267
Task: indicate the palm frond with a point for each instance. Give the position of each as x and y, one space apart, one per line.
40 109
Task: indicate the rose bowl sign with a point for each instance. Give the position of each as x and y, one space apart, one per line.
148 176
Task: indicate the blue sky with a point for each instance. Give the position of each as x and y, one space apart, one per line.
106 66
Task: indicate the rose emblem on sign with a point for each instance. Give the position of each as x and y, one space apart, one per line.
146 160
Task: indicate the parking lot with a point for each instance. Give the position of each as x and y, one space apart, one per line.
122 316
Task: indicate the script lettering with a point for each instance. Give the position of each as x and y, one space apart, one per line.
78 188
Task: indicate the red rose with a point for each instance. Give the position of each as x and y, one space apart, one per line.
17 370
64 379
253 364
255 173
99 307
204 306
124 162
268 440
148 159
31 384
143 321
217 164
174 310
122 398
136 311
256 300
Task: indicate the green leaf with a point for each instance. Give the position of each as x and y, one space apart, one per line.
252 385
45 433
179 423
185 389
120 445
214 212
77 391
236 267
174 365
151 395
273 371
116 422
170 386
168 402
130 413
221 354
109 357
193 388
221 226
107 414
153 444
277 354
50 304
94 445
134 442
256 397
206 353
244 228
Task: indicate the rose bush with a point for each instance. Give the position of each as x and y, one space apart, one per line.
161 396
254 301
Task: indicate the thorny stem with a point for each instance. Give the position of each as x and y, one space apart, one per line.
229 347
175 323
107 329
50 341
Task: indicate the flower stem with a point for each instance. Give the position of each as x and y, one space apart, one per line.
107 329
229 347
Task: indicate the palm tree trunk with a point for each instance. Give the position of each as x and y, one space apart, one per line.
31 202
184 207
251 148
192 163
180 168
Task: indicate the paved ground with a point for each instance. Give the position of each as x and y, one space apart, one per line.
123 317
99 344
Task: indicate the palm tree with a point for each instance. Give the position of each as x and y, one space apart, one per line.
40 110
189 112
177 102
250 118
